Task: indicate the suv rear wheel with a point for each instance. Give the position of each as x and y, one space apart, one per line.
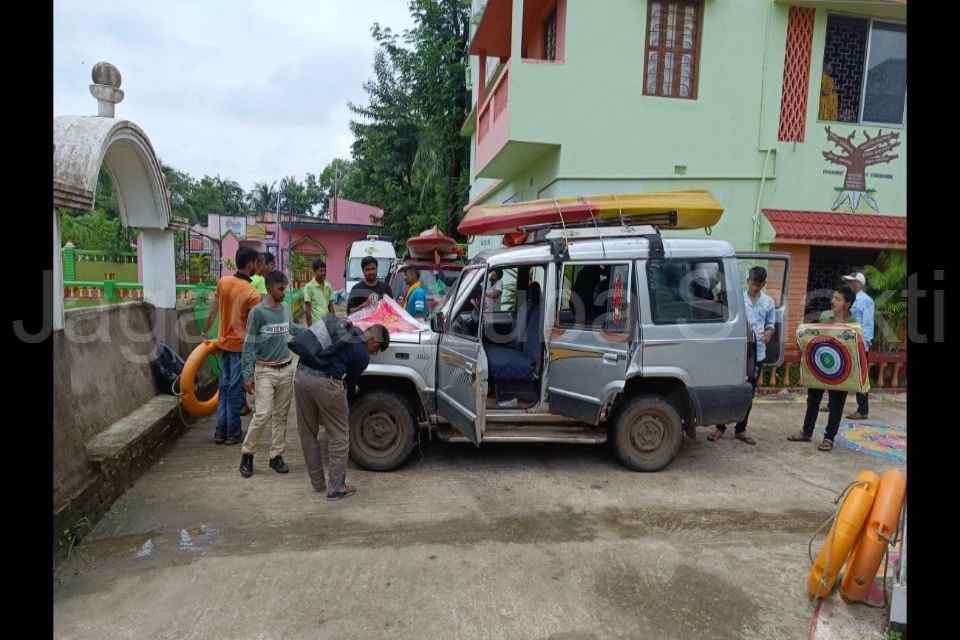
647 433
382 431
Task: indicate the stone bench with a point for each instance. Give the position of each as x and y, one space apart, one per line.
129 436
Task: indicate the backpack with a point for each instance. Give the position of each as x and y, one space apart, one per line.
167 366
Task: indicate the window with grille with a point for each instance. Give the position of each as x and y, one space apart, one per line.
864 76
673 48
550 36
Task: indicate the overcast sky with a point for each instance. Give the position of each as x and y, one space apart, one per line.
251 90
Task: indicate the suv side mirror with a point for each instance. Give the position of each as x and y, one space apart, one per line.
436 322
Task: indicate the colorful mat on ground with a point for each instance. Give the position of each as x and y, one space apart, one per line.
388 313
874 438
833 357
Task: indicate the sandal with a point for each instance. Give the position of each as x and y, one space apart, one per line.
799 437
340 495
856 416
826 445
716 435
742 437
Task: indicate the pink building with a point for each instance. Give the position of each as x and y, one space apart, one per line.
329 238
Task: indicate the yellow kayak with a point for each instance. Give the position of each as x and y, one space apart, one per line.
694 209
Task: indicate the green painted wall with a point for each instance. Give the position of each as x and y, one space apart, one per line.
615 139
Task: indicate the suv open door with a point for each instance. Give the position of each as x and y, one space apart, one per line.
777 266
461 362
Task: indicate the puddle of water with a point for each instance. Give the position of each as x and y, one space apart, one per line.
196 539
146 550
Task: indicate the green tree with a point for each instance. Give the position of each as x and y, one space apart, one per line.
181 186
95 231
887 284
263 197
408 155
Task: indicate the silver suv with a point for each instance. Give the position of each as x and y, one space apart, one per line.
598 334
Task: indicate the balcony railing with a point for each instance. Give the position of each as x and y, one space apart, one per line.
493 118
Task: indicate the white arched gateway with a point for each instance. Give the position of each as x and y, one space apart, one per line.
81 145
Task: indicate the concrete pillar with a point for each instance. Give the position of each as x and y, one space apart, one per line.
140 258
160 283
57 275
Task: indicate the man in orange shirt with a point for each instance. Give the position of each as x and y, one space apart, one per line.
234 299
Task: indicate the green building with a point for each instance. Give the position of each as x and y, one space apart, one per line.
793 114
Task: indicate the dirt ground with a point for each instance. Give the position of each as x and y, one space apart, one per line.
501 541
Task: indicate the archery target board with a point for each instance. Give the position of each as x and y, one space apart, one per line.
833 357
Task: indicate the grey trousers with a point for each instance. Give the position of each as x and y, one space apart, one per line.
322 421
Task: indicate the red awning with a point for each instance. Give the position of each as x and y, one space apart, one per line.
838 229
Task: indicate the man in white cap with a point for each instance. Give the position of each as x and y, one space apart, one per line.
863 311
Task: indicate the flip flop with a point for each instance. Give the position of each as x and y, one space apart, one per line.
340 495
799 437
742 437
826 445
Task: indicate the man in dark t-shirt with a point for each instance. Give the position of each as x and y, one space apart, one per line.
369 290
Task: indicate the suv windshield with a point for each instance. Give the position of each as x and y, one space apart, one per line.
355 271
436 282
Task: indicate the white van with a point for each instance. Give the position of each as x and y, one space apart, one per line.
373 246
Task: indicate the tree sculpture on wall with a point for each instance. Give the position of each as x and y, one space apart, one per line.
856 159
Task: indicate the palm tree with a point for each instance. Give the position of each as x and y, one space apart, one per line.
887 283
263 197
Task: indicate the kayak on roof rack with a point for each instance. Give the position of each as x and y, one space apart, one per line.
690 209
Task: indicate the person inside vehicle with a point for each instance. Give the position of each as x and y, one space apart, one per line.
491 300
414 299
842 301
368 291
762 318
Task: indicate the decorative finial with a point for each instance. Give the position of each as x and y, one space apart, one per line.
106 88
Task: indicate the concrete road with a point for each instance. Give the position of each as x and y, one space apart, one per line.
502 541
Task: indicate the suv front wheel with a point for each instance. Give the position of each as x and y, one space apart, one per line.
382 431
647 433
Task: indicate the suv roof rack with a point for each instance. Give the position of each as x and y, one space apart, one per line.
558 235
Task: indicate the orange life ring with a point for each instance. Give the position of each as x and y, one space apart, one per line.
880 528
188 398
843 534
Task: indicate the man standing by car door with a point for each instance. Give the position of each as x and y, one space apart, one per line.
762 316
368 291
333 356
863 312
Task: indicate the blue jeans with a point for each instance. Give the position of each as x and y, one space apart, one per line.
231 395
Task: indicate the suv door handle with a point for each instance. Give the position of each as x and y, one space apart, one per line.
613 358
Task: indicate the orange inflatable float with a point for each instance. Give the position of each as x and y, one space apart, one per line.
188 398
843 534
880 528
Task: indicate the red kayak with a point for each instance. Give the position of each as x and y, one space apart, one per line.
430 243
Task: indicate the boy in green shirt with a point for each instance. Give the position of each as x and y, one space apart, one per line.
265 365
265 264
318 294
